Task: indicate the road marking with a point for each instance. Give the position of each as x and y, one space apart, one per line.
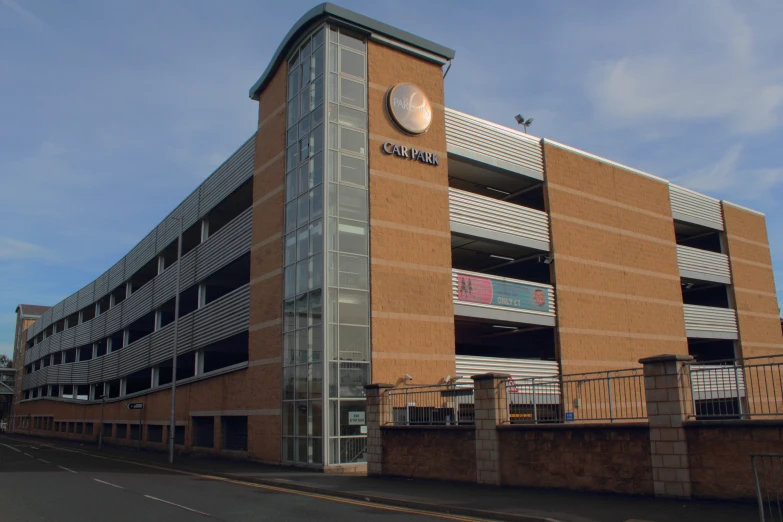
177 505
66 469
107 483
45 461
11 447
27 454
384 507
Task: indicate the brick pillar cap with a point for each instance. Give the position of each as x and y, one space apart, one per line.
666 358
486 376
378 386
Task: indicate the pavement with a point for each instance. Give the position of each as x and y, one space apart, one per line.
198 482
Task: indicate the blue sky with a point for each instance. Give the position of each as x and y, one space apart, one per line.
112 112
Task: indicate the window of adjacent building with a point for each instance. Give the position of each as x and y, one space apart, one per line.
88 313
122 431
203 432
234 433
72 320
154 433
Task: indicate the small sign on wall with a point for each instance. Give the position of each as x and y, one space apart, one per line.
569 416
356 418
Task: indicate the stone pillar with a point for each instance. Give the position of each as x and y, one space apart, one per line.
378 414
491 409
667 388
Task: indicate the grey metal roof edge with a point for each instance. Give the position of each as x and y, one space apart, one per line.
334 11
735 205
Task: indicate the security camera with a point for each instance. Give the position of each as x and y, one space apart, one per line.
447 378
408 377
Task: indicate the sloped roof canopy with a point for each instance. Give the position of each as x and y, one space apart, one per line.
373 28
31 310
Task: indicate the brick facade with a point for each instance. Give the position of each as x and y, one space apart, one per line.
615 272
410 249
753 288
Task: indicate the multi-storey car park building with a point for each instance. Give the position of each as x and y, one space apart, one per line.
367 233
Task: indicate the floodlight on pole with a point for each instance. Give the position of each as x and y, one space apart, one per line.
522 121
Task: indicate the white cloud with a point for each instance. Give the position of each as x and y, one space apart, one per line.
11 248
727 177
711 73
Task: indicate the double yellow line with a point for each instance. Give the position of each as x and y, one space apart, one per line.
266 487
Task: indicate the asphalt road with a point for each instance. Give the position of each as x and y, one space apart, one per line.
39 483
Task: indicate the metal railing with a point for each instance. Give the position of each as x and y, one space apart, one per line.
448 404
768 475
617 395
353 450
736 388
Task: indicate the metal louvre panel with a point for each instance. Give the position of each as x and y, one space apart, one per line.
165 286
102 285
87 296
490 139
82 333
698 260
168 230
236 170
98 330
187 274
230 175
67 340
44 321
135 356
114 318
468 365
161 343
79 372
117 274
57 311
138 304
71 304
111 364
709 319
230 242
26 382
455 290
691 206
94 367
140 254
65 373
491 214
185 334
712 381
222 318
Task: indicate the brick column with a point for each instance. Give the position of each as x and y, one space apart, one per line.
667 388
378 414
491 409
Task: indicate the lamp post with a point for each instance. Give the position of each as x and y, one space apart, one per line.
100 428
173 421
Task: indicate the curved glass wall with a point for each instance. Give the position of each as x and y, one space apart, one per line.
326 339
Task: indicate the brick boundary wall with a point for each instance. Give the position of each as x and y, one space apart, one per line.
668 455
430 452
608 458
720 455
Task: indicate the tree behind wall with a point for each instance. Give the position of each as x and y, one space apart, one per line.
5 361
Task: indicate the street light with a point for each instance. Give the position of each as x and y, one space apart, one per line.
522 121
173 422
100 428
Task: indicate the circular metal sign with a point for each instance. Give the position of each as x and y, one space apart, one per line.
410 108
